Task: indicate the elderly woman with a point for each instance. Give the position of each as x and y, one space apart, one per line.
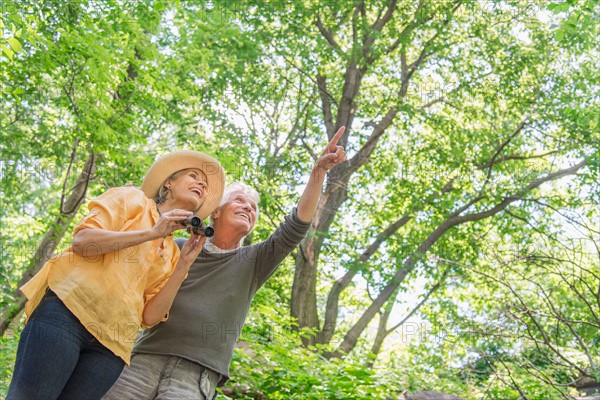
121 272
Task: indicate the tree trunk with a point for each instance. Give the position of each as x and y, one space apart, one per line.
382 331
50 241
304 295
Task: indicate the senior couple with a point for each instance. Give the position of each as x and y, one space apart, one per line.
124 270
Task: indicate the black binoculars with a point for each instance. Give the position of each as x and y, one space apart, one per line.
194 225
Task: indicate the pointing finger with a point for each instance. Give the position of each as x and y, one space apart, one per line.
331 147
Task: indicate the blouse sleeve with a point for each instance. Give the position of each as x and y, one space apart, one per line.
112 209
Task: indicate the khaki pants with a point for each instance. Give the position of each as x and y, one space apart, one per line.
155 376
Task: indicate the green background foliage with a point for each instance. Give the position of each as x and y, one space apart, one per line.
462 246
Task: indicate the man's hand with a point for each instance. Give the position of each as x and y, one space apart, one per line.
156 309
333 154
190 250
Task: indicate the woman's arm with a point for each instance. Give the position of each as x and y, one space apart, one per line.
91 242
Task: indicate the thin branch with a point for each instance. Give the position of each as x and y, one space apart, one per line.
424 54
361 157
327 33
505 143
515 157
466 206
86 182
416 308
309 149
519 196
432 102
408 28
380 23
326 105
528 312
583 346
66 181
568 218
288 61
515 384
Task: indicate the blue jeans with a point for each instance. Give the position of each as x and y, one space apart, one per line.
58 358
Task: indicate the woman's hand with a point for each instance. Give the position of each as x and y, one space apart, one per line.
169 222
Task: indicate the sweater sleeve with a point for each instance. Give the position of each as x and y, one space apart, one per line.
272 251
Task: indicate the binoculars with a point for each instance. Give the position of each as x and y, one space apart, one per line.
194 225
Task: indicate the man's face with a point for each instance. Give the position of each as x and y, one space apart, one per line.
239 211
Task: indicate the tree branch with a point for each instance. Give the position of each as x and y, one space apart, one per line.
326 105
354 333
380 23
327 33
514 157
362 156
505 143
331 309
414 310
519 196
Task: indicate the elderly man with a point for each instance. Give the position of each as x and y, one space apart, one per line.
187 356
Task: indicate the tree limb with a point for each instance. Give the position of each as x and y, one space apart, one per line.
519 196
327 33
326 105
354 333
331 309
50 241
380 23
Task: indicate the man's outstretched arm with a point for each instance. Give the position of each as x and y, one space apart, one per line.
331 156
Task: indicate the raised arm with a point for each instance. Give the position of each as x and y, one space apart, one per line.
158 307
331 156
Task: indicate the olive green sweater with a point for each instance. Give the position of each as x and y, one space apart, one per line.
209 310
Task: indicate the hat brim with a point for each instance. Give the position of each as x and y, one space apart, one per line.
185 159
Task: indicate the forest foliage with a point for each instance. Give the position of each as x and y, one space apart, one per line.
458 248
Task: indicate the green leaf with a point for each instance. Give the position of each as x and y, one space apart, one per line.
14 43
6 50
559 35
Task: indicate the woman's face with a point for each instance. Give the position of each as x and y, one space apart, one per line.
189 188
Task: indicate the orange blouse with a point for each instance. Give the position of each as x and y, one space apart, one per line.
108 292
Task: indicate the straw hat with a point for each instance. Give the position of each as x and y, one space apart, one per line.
184 159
